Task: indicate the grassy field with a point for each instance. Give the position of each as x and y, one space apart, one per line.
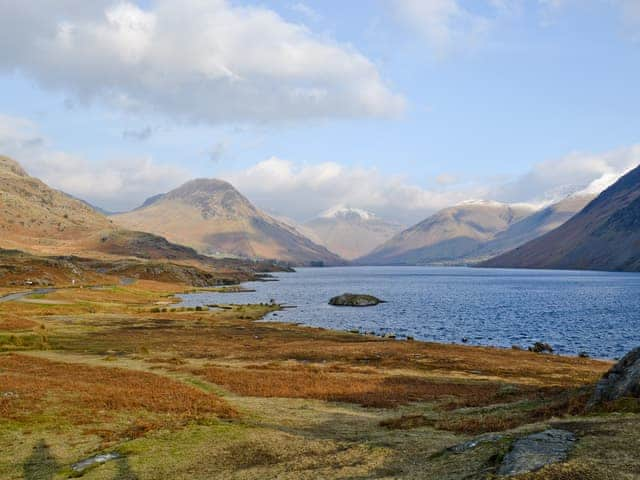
186 394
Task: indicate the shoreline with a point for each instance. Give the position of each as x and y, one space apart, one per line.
287 401
502 333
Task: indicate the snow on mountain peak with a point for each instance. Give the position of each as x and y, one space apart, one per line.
342 212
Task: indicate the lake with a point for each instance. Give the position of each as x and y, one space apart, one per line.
575 311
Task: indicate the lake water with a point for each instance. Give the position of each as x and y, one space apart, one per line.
594 312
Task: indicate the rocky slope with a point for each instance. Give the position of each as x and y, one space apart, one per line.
450 235
350 232
35 216
473 232
38 219
533 226
605 235
214 218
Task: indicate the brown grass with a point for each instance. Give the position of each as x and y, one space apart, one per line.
557 405
367 390
232 334
14 322
30 383
571 404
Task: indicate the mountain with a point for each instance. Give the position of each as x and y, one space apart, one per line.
38 219
605 235
214 218
533 226
350 232
448 236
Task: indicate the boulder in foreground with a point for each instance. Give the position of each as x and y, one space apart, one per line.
355 300
622 381
535 451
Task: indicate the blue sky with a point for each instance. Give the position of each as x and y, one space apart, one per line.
398 106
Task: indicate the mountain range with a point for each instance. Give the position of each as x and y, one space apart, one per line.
450 235
207 218
471 232
605 235
211 216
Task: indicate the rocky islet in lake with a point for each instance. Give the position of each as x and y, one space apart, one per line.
355 300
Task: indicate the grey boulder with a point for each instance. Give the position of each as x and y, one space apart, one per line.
535 451
623 380
354 300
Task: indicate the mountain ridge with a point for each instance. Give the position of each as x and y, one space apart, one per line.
447 235
604 235
213 217
38 219
472 232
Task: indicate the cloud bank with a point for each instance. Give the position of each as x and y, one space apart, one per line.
193 60
303 191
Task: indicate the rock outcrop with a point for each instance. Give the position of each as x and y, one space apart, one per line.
354 300
541 347
535 451
622 381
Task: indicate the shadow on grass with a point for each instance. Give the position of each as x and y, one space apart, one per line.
41 464
124 470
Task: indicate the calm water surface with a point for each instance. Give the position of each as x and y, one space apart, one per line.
595 312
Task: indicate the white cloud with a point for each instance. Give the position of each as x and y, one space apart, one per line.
116 184
448 26
303 191
193 60
577 172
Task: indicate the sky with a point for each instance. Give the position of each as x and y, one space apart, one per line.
400 107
